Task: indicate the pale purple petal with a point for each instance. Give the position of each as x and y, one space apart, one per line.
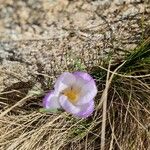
64 81
50 101
88 92
83 75
68 106
82 111
80 82
86 110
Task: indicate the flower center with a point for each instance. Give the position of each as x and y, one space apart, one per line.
72 95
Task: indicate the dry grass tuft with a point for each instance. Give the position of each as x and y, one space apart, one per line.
122 123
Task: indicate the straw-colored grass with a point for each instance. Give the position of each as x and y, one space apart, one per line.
121 119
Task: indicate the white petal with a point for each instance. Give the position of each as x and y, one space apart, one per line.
80 82
86 110
68 106
88 93
64 81
50 101
84 75
81 111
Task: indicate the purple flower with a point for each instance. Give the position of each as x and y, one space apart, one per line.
74 92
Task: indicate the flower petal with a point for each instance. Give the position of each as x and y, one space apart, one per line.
86 110
83 75
68 106
80 82
64 81
50 101
82 111
88 92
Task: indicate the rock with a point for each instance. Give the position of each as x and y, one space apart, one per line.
40 40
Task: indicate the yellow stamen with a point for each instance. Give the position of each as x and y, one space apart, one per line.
71 94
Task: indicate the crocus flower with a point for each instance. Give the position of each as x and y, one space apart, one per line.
73 92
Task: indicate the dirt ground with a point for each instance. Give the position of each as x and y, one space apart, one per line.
41 38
